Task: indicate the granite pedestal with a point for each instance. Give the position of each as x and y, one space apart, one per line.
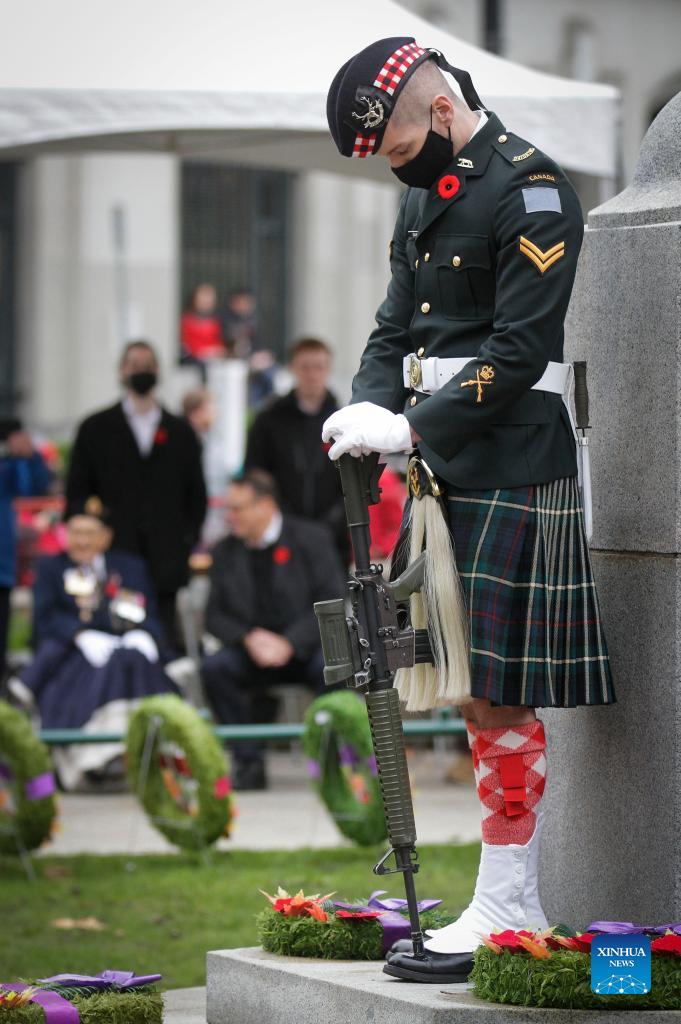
248 986
612 845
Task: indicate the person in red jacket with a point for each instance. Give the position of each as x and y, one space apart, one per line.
200 330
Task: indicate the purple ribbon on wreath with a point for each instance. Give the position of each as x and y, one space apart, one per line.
36 788
347 758
59 1010
629 928
394 925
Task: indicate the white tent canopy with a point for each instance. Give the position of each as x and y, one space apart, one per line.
247 82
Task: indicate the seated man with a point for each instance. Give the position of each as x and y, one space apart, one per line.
96 636
265 579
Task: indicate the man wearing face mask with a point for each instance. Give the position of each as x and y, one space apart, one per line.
145 466
466 365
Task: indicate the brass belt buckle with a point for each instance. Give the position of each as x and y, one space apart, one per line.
415 376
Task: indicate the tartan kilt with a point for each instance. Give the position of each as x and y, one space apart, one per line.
535 627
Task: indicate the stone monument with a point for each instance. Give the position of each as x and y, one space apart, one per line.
612 847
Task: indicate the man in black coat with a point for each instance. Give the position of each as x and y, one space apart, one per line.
265 579
285 440
145 466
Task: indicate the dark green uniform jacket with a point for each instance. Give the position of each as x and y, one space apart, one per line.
482 266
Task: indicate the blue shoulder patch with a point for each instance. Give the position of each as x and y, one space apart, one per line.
540 198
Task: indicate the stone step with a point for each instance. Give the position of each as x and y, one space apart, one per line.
184 1006
249 986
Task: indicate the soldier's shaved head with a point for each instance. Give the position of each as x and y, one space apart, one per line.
416 98
426 101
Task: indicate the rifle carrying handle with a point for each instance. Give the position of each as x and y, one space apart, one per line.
581 395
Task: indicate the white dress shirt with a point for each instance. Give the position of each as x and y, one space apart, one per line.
143 424
482 119
272 533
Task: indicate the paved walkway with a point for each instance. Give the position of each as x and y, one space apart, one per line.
184 1006
286 816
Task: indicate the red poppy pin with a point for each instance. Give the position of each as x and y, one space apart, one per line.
448 186
113 585
161 436
281 555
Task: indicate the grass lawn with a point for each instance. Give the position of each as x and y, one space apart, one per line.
162 913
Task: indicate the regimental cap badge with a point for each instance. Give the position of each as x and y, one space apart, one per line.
372 109
94 506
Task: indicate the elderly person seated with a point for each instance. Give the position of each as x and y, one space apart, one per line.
96 639
265 578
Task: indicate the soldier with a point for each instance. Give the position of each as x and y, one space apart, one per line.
466 365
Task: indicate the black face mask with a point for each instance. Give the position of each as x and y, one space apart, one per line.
435 154
143 382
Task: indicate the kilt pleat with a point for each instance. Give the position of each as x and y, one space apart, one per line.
536 633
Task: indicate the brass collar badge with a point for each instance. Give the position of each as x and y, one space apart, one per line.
485 375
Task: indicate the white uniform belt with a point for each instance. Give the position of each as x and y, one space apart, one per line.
429 375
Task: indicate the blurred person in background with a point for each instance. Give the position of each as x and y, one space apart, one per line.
23 473
200 411
198 408
285 440
239 323
264 581
145 466
240 331
385 518
200 329
96 637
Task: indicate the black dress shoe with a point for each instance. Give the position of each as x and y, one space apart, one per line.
432 968
400 946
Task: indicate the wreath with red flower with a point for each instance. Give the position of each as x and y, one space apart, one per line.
318 926
179 772
448 186
552 968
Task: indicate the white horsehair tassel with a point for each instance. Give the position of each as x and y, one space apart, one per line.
441 608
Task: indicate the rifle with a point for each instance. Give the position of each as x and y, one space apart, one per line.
364 645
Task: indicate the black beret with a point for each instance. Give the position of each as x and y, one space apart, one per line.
364 92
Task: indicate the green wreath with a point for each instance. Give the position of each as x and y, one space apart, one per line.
337 939
27 789
337 741
136 1006
187 791
564 981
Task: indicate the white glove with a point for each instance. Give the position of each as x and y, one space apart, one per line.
140 640
365 427
96 647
